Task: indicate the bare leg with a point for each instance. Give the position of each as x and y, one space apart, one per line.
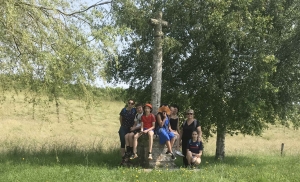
168 143
135 138
172 141
150 135
189 157
197 161
130 138
178 142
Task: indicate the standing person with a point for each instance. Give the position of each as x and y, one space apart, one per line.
127 115
186 131
165 135
148 125
194 150
134 131
174 127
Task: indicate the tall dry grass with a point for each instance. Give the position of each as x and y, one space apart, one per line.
77 127
82 129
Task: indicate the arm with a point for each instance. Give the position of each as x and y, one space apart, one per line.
153 124
197 155
134 126
137 127
169 126
142 126
199 133
160 121
149 129
178 130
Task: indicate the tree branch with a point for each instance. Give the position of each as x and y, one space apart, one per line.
64 13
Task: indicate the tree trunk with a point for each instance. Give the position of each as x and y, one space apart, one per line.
220 144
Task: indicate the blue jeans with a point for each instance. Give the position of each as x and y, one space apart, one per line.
122 132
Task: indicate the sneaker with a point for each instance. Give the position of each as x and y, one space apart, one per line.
134 156
177 152
173 156
190 167
126 155
150 157
193 164
168 152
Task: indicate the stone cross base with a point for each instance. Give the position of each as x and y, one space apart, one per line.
160 158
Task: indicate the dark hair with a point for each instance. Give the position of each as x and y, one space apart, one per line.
164 104
195 130
162 117
139 105
175 106
130 100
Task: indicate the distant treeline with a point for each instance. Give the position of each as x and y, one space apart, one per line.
21 83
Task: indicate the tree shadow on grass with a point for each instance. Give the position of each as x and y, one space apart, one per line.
63 156
240 161
111 159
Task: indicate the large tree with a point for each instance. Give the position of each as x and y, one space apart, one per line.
221 58
49 44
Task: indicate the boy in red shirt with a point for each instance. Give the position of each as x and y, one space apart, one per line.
147 127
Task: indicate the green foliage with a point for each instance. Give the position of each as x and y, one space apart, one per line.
220 58
49 45
228 60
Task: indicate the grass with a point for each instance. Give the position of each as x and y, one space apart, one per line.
84 146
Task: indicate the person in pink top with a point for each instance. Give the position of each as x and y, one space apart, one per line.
147 127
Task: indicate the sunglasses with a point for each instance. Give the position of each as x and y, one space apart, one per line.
189 113
131 103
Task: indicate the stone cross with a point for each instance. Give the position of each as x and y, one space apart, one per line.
157 61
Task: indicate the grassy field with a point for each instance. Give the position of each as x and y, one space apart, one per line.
83 145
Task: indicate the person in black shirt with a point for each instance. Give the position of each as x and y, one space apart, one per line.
174 127
127 116
186 131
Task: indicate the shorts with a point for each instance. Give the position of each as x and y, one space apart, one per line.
147 129
136 131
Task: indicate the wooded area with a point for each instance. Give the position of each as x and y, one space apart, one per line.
236 63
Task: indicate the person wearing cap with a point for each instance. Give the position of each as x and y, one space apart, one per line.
147 127
187 128
165 135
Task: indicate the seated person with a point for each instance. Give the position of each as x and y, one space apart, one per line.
194 150
165 135
134 131
147 127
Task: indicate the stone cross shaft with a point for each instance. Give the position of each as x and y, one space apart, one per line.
158 24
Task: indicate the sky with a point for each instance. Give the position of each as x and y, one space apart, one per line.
100 82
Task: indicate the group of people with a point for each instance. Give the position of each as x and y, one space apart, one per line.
136 120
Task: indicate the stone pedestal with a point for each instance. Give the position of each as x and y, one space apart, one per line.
160 158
